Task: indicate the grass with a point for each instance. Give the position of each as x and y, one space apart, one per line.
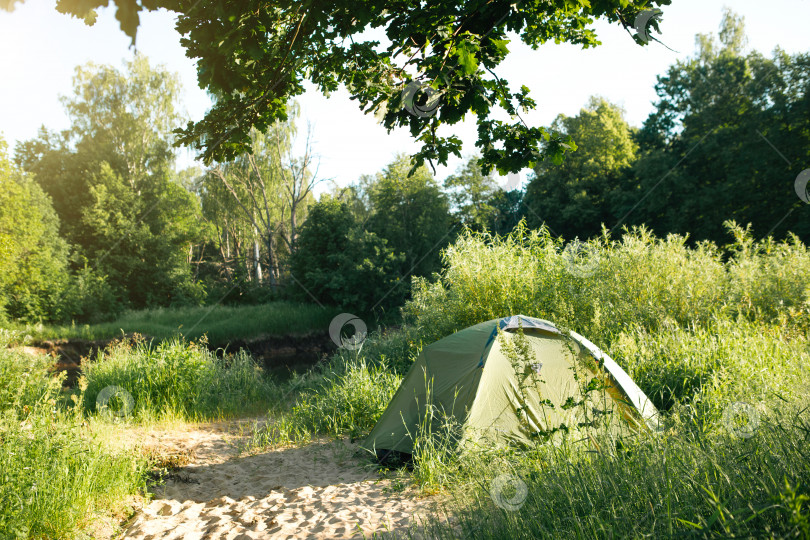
639 281
347 399
175 379
221 324
61 470
343 396
57 475
683 483
700 329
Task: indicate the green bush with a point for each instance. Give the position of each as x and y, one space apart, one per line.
606 286
33 257
88 297
767 279
339 263
711 364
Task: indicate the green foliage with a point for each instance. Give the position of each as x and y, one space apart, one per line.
119 203
573 199
177 379
729 131
610 285
347 399
219 324
55 474
33 258
339 263
683 484
453 47
472 193
705 366
88 297
767 278
360 253
259 201
412 214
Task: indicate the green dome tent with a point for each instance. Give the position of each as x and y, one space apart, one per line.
561 381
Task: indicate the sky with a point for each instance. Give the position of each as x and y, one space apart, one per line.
42 47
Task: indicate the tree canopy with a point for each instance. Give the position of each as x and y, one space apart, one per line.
33 258
727 138
573 198
254 56
111 177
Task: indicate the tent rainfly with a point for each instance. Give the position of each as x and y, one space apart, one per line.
496 396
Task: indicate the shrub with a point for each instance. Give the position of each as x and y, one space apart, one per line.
710 364
767 279
606 286
339 263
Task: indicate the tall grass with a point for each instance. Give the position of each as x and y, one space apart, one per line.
611 285
56 476
679 484
709 364
343 396
178 379
699 329
346 399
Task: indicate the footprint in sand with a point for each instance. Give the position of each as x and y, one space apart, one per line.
321 490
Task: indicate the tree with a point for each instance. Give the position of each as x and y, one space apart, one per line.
337 262
254 56
509 210
412 214
271 188
728 136
111 176
572 199
472 193
33 258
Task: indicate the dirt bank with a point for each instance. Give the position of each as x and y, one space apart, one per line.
277 354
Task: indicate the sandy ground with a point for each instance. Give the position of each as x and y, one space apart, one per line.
321 490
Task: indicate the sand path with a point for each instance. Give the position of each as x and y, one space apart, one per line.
321 490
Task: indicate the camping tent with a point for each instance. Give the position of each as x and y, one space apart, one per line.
474 378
